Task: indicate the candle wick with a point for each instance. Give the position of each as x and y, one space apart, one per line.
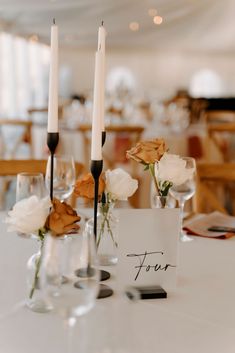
102 23
53 21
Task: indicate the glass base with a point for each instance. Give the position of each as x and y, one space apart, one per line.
38 306
107 260
185 238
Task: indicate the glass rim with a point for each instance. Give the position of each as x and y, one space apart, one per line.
62 156
33 174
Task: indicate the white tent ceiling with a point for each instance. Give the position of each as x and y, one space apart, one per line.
187 24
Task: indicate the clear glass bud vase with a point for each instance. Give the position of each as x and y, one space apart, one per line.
35 298
158 201
106 240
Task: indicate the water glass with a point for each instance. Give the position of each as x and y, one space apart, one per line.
29 184
185 191
64 176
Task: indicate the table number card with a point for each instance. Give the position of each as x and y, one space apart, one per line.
147 247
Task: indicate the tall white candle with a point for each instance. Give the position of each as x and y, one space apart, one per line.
101 48
101 39
96 136
53 83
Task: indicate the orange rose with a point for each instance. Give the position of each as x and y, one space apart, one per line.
85 187
62 219
147 152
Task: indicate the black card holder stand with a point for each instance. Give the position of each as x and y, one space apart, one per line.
148 292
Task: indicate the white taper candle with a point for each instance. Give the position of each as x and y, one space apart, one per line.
53 83
101 48
96 143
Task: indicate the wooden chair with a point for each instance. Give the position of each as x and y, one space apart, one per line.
214 183
126 136
31 111
219 116
13 167
25 137
132 132
61 108
221 134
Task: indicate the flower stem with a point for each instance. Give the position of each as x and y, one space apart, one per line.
152 173
38 265
105 220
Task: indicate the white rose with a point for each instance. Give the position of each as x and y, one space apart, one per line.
120 184
173 168
28 215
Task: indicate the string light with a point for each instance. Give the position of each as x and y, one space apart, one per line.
157 20
33 38
134 26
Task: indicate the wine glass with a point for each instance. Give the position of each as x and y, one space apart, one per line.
70 276
185 191
63 176
29 184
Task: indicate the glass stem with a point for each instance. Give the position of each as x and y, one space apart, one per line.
181 205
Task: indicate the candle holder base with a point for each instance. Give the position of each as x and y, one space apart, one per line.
104 291
104 275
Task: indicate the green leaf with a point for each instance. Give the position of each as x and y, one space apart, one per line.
164 187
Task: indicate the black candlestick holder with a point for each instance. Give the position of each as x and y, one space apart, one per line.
96 169
52 142
103 137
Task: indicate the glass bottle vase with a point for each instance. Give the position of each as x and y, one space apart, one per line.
106 240
35 298
158 201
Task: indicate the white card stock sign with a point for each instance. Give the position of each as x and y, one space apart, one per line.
147 247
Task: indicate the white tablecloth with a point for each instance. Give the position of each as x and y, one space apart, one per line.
199 316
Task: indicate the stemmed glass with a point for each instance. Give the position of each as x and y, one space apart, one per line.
70 276
63 177
29 184
185 191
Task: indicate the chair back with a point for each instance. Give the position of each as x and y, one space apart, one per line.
215 187
222 136
13 167
119 138
32 111
219 116
25 136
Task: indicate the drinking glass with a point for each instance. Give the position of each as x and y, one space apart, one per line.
63 176
29 184
70 276
184 192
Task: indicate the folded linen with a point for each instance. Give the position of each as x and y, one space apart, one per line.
200 224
